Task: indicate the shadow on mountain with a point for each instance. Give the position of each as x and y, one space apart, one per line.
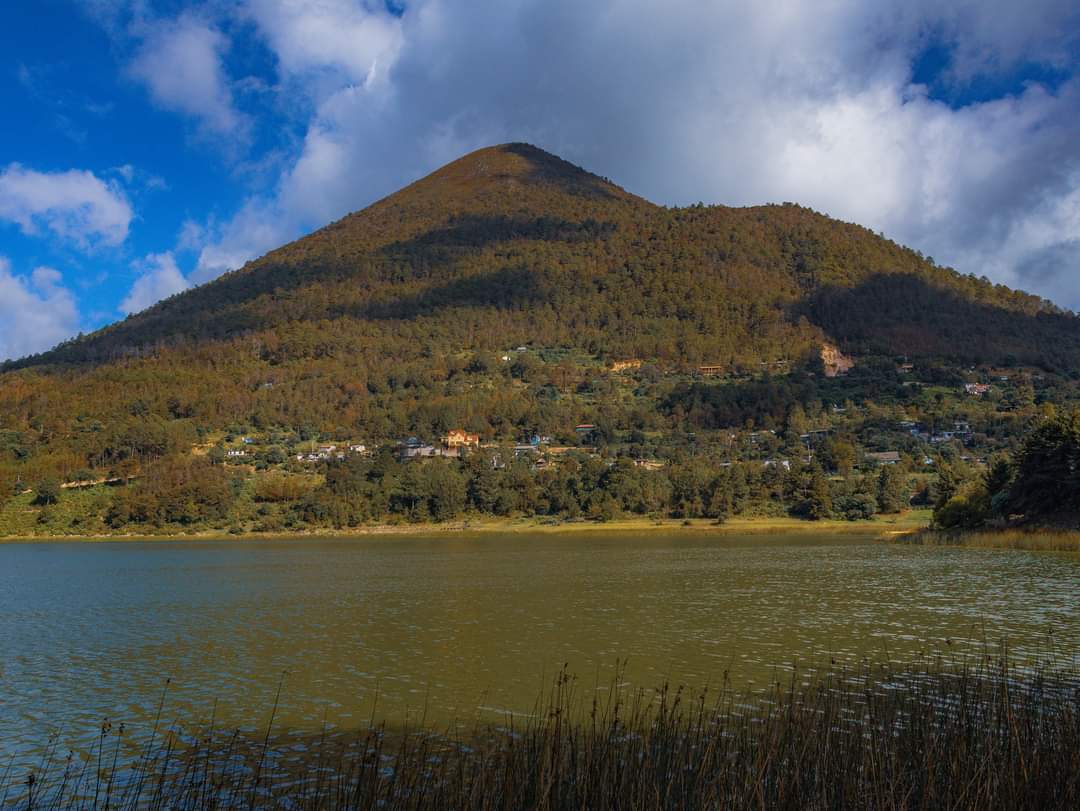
510 288
475 232
218 310
548 168
901 314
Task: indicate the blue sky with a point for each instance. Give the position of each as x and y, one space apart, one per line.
149 146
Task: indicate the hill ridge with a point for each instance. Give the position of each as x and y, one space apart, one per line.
514 228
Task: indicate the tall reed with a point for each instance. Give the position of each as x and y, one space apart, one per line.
967 734
1034 540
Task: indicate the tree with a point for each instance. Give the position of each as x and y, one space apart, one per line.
444 487
719 507
948 482
816 501
483 482
1047 480
892 489
796 422
47 492
997 480
840 454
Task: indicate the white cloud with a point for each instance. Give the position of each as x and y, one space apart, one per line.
160 278
254 230
311 36
75 205
36 313
192 236
180 62
723 102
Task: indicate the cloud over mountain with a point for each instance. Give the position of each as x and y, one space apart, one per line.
949 127
721 102
159 278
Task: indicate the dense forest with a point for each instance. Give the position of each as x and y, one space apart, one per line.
665 361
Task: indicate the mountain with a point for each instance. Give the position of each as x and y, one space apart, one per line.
394 321
525 247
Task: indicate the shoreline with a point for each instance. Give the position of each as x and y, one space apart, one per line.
891 526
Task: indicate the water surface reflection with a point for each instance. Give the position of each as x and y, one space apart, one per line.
455 626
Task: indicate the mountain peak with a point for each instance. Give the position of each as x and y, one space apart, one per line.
507 170
517 161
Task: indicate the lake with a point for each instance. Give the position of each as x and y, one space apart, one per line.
452 627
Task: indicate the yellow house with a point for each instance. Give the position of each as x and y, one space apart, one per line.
457 438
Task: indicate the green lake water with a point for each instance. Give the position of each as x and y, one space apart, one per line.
452 627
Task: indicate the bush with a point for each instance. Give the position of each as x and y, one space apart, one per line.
856 507
969 508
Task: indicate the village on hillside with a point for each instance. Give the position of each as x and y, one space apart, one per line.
879 440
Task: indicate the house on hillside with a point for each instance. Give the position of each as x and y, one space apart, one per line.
710 371
883 458
784 463
235 453
976 389
419 451
458 438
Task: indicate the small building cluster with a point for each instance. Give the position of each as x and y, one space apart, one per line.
883 458
324 453
960 432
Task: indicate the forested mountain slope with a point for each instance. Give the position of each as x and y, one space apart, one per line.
511 244
393 321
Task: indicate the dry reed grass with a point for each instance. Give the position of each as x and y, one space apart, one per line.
1035 540
970 734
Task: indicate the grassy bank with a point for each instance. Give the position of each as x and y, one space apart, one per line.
880 524
1048 540
929 736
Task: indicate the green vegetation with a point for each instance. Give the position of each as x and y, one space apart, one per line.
968 735
495 296
1037 487
193 494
